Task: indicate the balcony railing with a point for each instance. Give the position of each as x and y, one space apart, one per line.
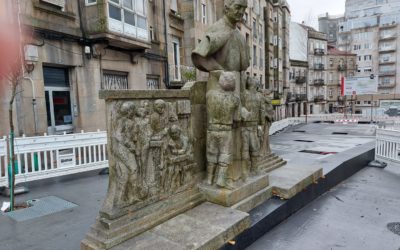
301 79
386 85
387 73
387 61
290 97
388 36
334 83
342 67
301 97
319 66
319 51
319 98
319 82
387 49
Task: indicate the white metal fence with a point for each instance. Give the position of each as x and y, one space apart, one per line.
279 125
50 156
387 145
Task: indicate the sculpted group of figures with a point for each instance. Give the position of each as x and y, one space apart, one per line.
251 113
233 102
152 155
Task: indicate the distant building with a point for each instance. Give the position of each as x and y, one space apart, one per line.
370 29
298 73
340 64
330 26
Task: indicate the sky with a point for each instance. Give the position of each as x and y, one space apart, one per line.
309 10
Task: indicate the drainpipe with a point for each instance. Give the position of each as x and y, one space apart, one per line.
166 65
34 104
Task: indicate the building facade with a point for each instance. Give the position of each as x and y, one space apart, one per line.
78 48
340 64
298 73
370 30
329 25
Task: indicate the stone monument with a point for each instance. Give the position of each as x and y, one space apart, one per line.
169 151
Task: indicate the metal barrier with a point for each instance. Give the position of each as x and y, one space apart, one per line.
44 157
387 145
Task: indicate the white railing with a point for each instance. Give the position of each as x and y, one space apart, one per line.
279 125
387 145
57 155
3 157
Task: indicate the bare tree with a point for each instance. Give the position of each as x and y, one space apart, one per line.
11 73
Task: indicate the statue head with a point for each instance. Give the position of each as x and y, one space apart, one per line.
227 81
141 112
234 10
127 108
159 106
175 132
252 83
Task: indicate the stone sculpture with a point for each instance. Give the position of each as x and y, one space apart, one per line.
268 116
222 111
252 101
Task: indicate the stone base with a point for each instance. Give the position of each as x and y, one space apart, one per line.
105 233
227 197
207 226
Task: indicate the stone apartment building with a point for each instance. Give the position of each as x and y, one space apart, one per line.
277 14
317 60
298 73
80 47
370 29
340 64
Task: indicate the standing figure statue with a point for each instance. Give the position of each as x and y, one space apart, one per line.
224 48
222 110
252 102
268 115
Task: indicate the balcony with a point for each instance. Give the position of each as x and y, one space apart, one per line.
319 66
387 49
301 97
180 74
388 36
340 99
118 26
387 61
301 79
342 67
387 73
290 97
334 83
319 98
319 82
319 51
386 85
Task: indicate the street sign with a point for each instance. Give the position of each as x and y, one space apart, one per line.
360 85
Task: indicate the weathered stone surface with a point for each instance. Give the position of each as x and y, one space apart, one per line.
226 197
207 226
289 180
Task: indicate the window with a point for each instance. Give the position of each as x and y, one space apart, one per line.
254 56
254 28
330 92
176 57
203 13
90 2
128 17
114 80
261 59
153 82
